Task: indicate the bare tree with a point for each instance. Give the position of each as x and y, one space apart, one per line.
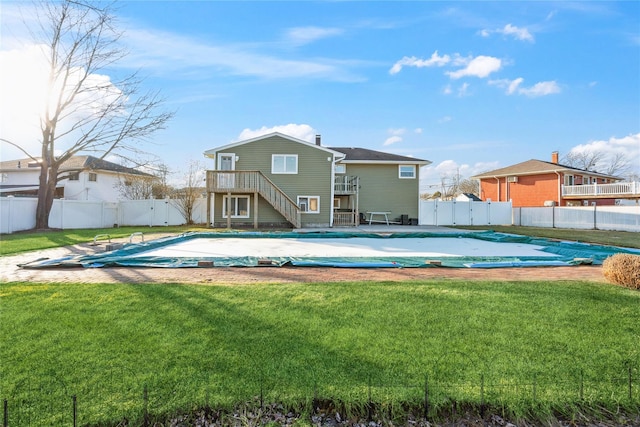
82 111
185 198
469 186
597 161
136 187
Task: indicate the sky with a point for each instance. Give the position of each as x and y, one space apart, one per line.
469 86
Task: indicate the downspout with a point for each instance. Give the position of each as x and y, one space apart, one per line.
559 188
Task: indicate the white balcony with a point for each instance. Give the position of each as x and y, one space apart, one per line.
618 190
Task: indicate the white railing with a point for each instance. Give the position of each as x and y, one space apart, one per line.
602 190
345 184
255 181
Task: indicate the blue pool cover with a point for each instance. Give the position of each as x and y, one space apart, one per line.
554 253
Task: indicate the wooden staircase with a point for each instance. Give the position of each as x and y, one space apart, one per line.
254 182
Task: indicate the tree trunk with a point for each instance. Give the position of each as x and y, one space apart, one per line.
46 193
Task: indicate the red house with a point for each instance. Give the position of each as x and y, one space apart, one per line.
540 183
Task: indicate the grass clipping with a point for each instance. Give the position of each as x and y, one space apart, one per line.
623 269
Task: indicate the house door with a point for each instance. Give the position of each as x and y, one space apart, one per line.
226 162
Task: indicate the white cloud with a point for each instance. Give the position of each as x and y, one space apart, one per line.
411 61
299 36
303 132
627 146
417 131
392 140
396 136
445 119
513 87
541 89
510 30
480 66
463 90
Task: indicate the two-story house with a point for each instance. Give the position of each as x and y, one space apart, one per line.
540 183
89 178
279 181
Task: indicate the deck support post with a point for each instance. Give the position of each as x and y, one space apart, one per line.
255 210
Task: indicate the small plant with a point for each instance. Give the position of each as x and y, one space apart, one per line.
623 269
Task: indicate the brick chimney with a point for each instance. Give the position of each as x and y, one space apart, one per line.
318 139
554 157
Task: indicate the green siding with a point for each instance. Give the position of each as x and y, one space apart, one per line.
313 177
382 191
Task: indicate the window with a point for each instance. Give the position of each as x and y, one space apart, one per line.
341 168
284 163
407 171
309 204
568 180
336 203
239 206
93 177
74 176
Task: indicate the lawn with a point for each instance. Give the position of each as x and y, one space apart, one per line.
36 240
122 350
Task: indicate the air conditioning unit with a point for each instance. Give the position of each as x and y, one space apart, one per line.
512 179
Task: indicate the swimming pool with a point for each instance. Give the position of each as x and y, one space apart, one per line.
339 249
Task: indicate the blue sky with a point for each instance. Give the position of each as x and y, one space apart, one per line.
470 86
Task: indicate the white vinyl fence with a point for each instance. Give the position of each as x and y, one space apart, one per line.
434 212
618 218
18 213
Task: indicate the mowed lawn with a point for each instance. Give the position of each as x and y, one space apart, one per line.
123 349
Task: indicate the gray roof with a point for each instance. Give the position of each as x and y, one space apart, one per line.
536 167
75 163
366 155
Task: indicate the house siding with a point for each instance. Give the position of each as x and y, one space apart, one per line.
530 190
381 190
313 178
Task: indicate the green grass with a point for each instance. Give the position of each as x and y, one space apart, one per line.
524 347
36 240
625 239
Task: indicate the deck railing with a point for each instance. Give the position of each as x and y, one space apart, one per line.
346 184
254 182
345 219
615 190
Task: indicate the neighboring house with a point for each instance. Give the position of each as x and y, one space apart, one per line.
467 197
540 183
90 178
280 181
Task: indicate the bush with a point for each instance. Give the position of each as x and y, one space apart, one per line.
623 269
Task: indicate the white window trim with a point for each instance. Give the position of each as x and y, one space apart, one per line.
341 168
310 197
413 175
224 206
285 172
233 160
